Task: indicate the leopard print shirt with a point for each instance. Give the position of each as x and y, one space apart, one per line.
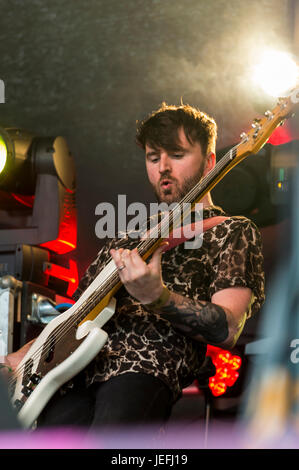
143 341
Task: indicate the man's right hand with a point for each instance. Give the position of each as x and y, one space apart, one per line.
12 360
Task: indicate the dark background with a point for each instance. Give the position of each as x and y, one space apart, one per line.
87 70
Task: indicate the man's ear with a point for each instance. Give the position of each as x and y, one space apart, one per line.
210 163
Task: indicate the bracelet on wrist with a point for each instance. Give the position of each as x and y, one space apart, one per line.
162 300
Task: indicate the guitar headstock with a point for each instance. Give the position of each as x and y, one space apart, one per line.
263 127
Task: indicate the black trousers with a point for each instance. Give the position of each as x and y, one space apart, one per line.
131 398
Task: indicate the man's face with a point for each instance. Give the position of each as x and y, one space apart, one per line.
173 174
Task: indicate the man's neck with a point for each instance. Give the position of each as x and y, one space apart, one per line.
207 200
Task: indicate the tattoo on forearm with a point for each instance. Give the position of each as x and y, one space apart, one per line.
197 318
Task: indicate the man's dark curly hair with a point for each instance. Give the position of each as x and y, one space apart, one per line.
160 129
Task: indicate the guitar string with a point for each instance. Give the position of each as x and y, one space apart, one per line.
98 293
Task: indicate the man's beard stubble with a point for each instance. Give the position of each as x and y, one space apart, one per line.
187 185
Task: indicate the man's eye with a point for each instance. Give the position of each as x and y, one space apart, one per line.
177 155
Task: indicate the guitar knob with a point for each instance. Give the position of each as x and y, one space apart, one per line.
269 115
35 379
26 391
18 404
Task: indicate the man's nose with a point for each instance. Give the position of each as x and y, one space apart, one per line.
165 163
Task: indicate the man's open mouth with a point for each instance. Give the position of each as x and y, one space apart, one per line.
166 183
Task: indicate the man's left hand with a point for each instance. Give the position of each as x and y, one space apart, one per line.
143 281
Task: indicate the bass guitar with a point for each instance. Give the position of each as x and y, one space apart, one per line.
72 339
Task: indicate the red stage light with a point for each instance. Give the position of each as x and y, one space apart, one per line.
226 365
70 275
217 387
23 199
284 134
67 237
59 246
281 135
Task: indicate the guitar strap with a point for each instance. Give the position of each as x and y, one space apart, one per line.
191 230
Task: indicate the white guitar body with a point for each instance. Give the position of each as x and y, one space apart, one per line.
80 344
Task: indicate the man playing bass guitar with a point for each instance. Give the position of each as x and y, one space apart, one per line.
172 305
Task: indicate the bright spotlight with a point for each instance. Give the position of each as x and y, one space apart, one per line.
37 191
276 73
3 153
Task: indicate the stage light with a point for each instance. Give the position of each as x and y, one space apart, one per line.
37 191
3 153
276 73
37 207
226 365
24 156
17 161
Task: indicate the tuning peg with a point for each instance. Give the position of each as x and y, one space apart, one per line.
35 378
282 102
256 123
244 136
269 114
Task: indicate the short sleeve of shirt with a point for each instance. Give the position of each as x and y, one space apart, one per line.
240 260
